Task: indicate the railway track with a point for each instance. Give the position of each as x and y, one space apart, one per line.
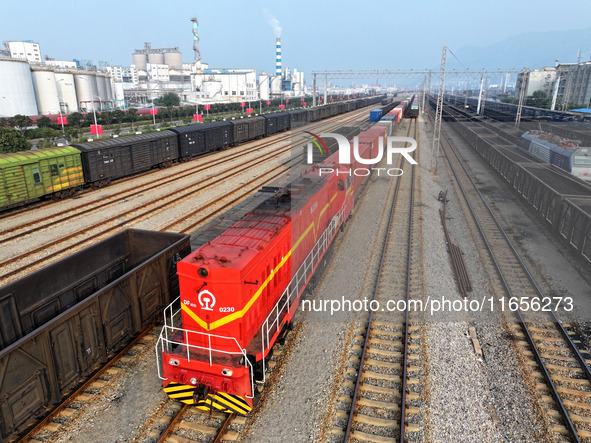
379 396
13 230
53 423
559 372
63 245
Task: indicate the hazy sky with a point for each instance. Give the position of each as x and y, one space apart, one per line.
316 35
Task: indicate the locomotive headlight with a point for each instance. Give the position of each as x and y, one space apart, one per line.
193 381
227 372
173 362
202 272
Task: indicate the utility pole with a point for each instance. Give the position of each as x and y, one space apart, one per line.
439 110
325 101
484 94
480 93
555 93
313 91
566 93
524 83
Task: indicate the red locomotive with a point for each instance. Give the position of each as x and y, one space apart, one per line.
240 291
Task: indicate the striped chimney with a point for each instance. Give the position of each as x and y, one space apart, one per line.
278 57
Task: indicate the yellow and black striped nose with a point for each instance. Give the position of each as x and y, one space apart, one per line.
217 401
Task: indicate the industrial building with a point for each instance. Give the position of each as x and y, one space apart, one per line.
156 71
537 80
565 83
575 84
31 86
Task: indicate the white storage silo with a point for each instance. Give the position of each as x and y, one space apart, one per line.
86 90
109 88
66 90
174 60
139 60
46 91
156 58
17 94
101 83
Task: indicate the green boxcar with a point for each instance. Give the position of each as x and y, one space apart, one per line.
28 175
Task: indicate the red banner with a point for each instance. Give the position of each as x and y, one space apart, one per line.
304 103
96 129
207 107
281 106
154 111
287 101
268 103
249 110
62 121
243 104
197 117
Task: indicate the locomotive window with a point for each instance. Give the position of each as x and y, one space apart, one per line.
53 170
340 185
36 176
348 182
61 165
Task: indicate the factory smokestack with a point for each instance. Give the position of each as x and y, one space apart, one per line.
278 57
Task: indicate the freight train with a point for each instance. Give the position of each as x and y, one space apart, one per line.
414 107
240 291
61 172
564 153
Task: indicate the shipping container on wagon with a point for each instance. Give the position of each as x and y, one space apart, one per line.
27 175
246 129
61 321
277 122
200 138
375 115
104 160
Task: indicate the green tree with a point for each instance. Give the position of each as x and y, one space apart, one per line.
72 132
21 122
12 140
88 119
118 115
44 122
132 115
107 117
75 119
169 99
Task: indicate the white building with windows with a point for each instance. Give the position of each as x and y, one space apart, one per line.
538 80
25 50
231 85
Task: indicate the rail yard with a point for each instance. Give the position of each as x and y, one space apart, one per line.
351 256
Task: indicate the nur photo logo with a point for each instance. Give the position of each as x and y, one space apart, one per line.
390 146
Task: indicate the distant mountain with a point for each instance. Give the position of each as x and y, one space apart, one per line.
534 50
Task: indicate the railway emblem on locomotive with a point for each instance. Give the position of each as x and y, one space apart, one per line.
207 300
